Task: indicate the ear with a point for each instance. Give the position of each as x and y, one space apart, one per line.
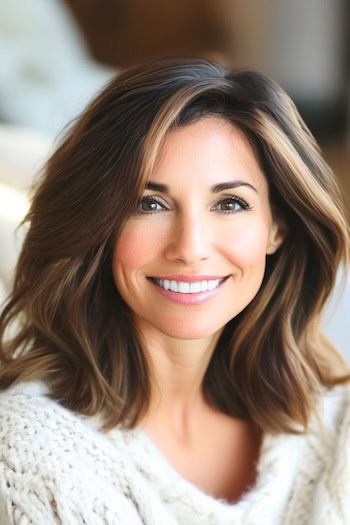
278 232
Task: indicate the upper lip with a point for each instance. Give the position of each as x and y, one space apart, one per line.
189 278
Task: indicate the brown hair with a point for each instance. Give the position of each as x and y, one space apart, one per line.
73 329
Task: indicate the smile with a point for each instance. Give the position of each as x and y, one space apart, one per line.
189 290
186 287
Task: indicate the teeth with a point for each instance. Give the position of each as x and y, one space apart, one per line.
182 287
212 284
195 287
173 286
204 286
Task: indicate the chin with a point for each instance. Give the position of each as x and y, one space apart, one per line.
188 331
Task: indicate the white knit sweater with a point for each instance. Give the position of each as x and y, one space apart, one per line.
57 467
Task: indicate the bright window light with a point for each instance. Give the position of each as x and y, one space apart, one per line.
13 203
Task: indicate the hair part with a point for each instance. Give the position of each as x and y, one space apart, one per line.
74 331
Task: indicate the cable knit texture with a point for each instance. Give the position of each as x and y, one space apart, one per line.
57 467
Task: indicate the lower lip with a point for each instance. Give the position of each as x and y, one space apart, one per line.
188 298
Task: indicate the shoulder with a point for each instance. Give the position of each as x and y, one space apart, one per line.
330 426
335 411
30 402
55 463
326 464
33 426
31 422
335 407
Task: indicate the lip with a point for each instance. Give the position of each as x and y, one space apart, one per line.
188 278
189 299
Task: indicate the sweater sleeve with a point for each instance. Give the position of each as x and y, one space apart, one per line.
331 505
57 469
21 503
44 497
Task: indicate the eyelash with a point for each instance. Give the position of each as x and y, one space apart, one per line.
232 198
244 206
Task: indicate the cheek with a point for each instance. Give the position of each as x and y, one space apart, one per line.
134 248
248 246
139 244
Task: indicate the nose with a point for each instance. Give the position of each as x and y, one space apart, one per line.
189 240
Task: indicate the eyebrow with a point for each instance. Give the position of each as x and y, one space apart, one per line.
164 188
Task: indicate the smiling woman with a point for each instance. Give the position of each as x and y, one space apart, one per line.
169 366
203 228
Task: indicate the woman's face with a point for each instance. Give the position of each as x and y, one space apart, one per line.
193 255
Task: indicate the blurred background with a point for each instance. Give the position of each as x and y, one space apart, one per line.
56 54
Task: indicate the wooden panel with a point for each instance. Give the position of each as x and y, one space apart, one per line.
338 157
122 32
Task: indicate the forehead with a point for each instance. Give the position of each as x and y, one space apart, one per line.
208 150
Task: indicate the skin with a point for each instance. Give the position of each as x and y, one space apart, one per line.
192 230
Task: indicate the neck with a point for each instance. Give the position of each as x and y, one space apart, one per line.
177 371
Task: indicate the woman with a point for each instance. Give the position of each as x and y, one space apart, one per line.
168 366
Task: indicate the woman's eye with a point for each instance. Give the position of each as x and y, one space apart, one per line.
232 204
149 205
